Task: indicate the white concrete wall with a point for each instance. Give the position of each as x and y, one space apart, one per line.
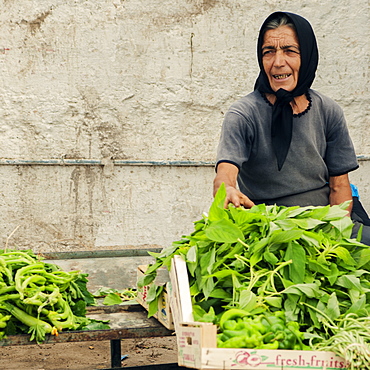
123 81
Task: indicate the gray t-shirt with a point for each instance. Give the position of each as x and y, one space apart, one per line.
320 147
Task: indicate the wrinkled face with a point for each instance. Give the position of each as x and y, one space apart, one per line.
281 58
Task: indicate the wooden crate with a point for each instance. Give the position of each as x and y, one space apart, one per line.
197 345
164 314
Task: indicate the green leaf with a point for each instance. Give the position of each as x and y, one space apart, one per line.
297 269
357 306
217 210
310 290
270 258
318 267
219 293
335 213
152 269
344 255
363 257
244 217
207 261
224 231
291 306
153 303
153 307
111 299
191 255
198 312
274 301
359 233
146 279
194 290
312 238
350 282
247 300
152 293
334 273
257 251
310 224
298 212
344 226
96 325
332 309
210 316
208 286
284 236
222 274
236 281
79 308
318 213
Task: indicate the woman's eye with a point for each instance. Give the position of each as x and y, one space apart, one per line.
292 51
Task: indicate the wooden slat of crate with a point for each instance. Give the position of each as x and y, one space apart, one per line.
180 300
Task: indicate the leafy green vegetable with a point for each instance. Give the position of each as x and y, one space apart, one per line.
112 299
39 298
299 260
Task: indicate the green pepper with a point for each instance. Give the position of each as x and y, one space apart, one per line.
222 337
302 347
254 341
269 337
272 345
234 342
258 326
289 340
232 314
230 325
237 333
243 341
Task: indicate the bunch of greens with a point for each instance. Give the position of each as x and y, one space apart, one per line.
350 339
39 298
300 260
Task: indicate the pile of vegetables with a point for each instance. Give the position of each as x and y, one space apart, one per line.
298 263
269 330
39 298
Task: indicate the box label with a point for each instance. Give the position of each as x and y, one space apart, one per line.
271 359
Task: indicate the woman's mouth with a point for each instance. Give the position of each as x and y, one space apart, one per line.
282 76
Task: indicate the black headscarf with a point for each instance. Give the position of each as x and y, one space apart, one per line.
282 113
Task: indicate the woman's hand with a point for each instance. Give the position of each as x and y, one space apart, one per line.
237 198
227 173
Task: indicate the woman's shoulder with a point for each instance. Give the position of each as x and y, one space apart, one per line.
249 103
325 106
323 100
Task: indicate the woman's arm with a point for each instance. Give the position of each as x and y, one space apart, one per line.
228 173
340 190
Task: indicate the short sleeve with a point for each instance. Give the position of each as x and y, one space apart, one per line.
340 156
236 139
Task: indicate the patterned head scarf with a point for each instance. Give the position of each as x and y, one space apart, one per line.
282 113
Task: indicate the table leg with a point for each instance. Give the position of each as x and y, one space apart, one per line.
115 353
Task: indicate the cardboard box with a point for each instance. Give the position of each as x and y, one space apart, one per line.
164 314
197 344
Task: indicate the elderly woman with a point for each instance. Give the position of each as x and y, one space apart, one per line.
285 143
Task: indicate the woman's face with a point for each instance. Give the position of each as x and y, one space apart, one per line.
281 58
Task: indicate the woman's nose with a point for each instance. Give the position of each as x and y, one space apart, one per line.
279 58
